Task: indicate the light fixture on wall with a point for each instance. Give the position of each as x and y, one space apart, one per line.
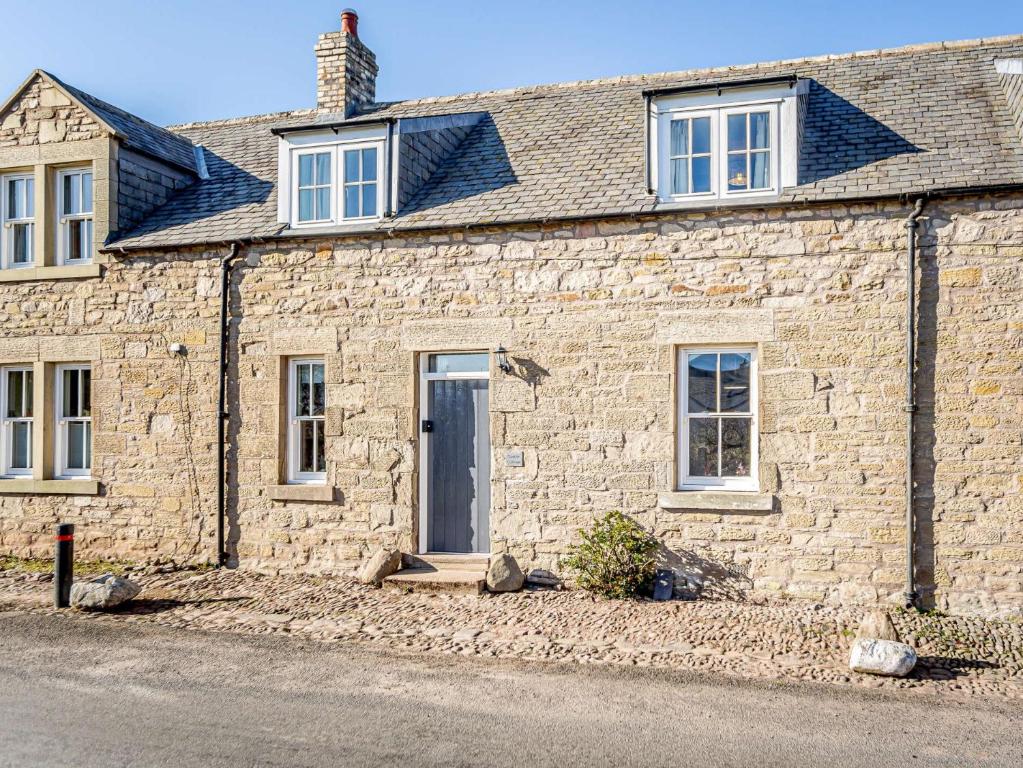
502 358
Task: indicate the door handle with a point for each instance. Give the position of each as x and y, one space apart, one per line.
427 425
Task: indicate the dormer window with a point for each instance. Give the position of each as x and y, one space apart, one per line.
335 177
721 144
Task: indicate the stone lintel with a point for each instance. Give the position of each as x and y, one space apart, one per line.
715 326
68 272
29 486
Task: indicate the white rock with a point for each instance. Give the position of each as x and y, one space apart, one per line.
882 657
383 563
103 593
504 574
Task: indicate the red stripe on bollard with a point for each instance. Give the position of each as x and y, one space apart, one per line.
65 538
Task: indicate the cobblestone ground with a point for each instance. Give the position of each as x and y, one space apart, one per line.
782 640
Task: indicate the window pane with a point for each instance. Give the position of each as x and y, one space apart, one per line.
323 168
15 392
736 132
701 135
27 412
86 379
319 392
12 198
701 174
321 452
736 447
369 164
680 176
352 165
305 205
88 445
760 130
459 363
351 201
369 199
76 442
760 170
302 404
305 170
21 234
307 439
30 201
72 194
679 137
70 399
73 248
323 203
735 371
703 447
737 178
21 445
86 193
703 383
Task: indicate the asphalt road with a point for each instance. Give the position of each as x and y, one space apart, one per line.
77 693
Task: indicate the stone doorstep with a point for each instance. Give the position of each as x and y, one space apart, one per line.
452 573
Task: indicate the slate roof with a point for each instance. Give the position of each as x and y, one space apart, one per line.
878 124
137 133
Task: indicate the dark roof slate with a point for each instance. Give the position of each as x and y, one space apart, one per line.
138 134
878 124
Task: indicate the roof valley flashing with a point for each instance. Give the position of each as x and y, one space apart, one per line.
577 151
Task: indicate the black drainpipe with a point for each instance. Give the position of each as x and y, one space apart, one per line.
910 407
225 282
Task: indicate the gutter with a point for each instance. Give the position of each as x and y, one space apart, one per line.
789 80
912 223
226 264
333 125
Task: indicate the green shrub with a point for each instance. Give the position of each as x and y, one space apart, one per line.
615 557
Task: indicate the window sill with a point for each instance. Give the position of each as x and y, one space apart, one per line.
29 486
301 492
740 502
63 272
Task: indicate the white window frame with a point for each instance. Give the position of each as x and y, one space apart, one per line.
294 425
60 438
690 482
7 447
773 167
718 110
342 184
693 115
336 150
64 218
7 234
295 188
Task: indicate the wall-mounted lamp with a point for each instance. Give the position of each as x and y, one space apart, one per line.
177 348
502 359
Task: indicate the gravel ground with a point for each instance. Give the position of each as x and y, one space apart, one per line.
781 640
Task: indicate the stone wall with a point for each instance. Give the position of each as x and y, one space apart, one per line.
44 115
591 315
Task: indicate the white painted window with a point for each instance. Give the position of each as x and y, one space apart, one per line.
17 198
361 189
73 408
335 182
16 396
730 144
307 402
314 186
717 445
74 211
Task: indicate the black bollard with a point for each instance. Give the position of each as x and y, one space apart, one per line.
64 565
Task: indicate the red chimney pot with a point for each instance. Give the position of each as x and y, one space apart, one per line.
350 23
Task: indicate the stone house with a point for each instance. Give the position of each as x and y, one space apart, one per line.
470 324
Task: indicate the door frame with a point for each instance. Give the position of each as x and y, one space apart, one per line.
424 414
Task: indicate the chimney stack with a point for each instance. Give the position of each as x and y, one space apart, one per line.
346 70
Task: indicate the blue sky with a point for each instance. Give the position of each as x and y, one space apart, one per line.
203 59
